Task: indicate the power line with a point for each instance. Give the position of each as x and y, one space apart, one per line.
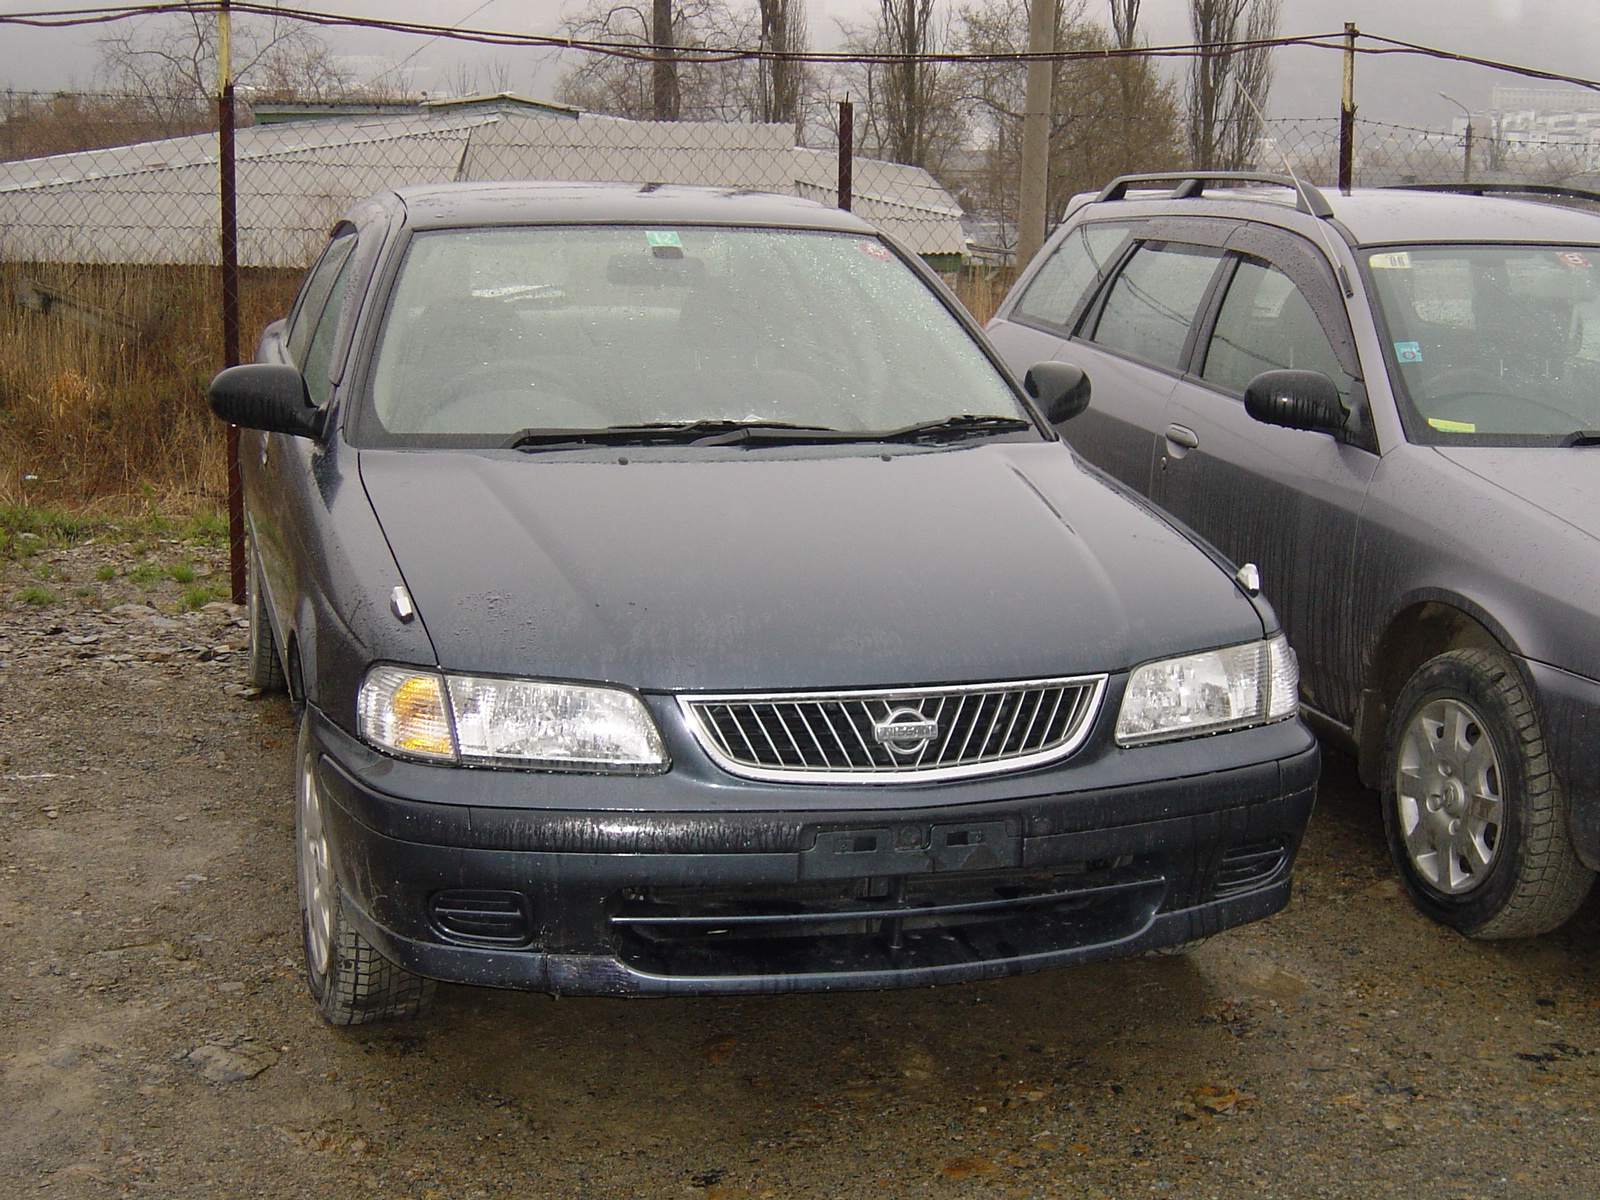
640 52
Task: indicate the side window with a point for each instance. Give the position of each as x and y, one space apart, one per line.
1266 325
1074 268
314 293
320 351
1152 304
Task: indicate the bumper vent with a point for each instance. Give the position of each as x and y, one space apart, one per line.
878 736
1256 864
885 924
482 918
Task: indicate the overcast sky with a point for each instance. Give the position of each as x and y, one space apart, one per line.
1556 35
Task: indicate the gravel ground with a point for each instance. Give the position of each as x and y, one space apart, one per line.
156 1038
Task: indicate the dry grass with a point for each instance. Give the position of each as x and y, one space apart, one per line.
102 397
982 293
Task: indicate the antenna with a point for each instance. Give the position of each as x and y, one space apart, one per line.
1327 242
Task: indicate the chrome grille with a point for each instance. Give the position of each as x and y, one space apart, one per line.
876 736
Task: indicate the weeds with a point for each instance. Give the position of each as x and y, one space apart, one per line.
37 596
199 597
105 574
182 573
145 573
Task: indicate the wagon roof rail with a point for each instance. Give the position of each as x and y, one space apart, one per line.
1187 184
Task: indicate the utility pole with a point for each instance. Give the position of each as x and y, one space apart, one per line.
1347 113
1037 106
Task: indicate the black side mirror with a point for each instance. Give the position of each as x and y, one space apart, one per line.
268 396
1295 400
1059 389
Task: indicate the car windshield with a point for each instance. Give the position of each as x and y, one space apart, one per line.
1493 343
534 330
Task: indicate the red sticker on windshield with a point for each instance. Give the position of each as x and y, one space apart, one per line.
875 250
1574 260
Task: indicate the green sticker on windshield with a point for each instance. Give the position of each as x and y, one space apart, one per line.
1444 426
655 237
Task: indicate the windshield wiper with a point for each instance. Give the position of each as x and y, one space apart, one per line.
1582 437
671 433
955 428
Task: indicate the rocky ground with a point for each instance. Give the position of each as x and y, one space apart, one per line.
156 1039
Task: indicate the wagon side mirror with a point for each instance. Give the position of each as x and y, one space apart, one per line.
271 397
1059 389
1296 400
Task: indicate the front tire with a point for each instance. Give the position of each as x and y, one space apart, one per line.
352 983
1475 818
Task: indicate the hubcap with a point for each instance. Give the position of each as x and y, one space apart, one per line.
315 878
1448 797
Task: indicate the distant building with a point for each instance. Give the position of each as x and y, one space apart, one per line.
297 170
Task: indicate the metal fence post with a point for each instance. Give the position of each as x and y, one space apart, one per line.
847 149
230 288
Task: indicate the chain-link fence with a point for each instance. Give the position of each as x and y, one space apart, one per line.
109 225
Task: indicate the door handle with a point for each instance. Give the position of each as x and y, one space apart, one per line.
1181 437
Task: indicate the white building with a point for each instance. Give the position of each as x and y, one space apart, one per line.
156 202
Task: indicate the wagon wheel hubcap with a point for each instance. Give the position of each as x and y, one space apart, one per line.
315 877
1448 796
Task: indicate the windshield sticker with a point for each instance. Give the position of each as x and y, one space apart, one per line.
1574 260
875 250
655 238
1408 352
1444 426
1400 260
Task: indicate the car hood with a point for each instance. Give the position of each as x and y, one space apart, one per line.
1564 482
708 570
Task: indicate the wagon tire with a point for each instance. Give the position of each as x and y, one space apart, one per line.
1475 817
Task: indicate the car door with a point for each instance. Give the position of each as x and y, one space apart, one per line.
1287 500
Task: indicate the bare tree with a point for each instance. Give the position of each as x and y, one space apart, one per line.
907 110
780 81
625 87
170 62
1227 86
1125 22
665 97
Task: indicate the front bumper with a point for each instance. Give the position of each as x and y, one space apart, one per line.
944 885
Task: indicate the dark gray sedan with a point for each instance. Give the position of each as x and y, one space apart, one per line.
1389 403
680 599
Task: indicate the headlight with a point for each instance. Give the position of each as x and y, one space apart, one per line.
508 722
1210 692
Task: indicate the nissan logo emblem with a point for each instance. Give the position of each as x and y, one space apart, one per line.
905 731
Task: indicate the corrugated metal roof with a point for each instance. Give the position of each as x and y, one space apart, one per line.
156 202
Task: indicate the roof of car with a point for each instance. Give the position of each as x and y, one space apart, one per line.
441 206
1380 216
